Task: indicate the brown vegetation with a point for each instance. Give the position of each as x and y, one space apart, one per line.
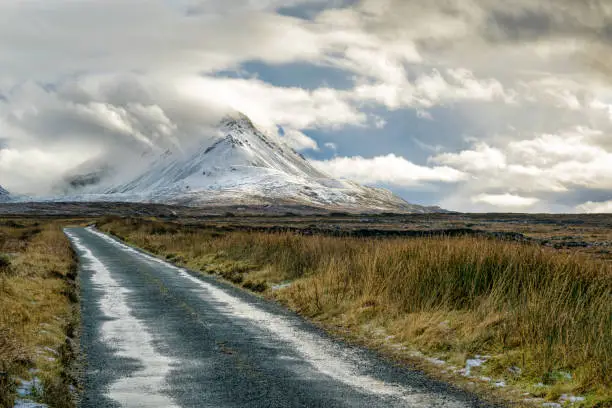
38 310
543 316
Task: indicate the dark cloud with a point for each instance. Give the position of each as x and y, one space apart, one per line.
528 25
579 195
599 59
529 20
587 23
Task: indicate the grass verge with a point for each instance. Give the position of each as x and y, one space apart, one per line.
537 321
38 314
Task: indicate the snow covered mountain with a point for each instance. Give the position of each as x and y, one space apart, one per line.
4 195
240 167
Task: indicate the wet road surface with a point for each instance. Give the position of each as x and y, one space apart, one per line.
155 335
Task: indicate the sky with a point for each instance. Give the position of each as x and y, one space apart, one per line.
472 105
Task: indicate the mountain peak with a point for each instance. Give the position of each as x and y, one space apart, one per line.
244 166
237 120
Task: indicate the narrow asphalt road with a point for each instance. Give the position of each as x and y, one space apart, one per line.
155 335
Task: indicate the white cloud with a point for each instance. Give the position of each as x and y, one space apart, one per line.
389 169
572 158
482 158
299 141
331 146
432 89
423 114
595 207
546 163
152 35
35 170
269 105
505 200
459 84
547 149
536 174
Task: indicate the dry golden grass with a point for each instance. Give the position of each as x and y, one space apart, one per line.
38 308
545 312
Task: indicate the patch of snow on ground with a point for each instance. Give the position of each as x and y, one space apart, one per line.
50 350
28 388
281 286
571 398
472 363
28 404
128 337
436 361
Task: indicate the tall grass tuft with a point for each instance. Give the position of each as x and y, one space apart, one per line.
35 309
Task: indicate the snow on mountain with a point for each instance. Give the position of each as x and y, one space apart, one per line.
240 167
4 195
